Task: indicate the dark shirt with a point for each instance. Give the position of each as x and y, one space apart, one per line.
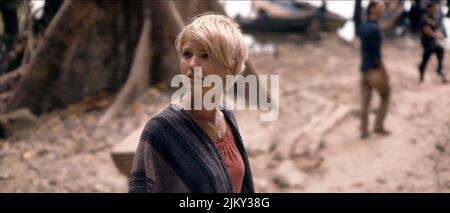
428 41
370 36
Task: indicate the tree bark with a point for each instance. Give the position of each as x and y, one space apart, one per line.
9 80
72 60
69 22
139 77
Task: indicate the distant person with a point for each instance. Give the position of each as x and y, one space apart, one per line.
432 36
404 21
373 71
415 14
8 11
357 16
448 11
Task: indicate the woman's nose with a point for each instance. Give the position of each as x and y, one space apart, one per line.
194 62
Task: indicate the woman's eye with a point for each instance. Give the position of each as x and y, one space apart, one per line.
187 54
204 56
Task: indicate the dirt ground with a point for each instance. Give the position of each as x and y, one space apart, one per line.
68 152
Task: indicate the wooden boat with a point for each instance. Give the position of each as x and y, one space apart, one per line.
288 16
275 24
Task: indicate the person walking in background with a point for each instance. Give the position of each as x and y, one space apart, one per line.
415 14
373 71
431 37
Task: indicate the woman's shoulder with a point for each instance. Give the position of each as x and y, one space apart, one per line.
162 124
168 115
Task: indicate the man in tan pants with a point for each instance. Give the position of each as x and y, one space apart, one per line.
373 72
374 79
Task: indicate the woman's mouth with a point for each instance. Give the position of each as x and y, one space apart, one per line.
193 77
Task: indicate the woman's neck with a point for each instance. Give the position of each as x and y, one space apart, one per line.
204 115
208 115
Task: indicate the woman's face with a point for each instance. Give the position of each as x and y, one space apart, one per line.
193 54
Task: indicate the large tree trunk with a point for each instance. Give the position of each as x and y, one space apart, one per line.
66 68
89 47
138 79
63 31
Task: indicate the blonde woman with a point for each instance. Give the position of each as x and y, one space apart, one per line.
201 150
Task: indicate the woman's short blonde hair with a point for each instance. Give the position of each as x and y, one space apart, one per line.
221 37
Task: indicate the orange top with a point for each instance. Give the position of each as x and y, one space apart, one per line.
233 159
